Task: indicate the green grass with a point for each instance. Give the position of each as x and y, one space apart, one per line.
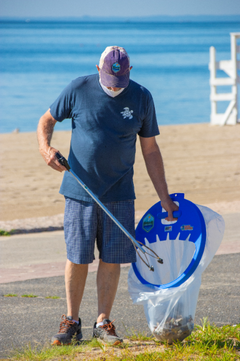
31 296
6 233
49 352
207 342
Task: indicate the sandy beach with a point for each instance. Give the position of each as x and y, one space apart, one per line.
200 160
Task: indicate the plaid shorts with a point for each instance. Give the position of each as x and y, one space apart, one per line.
85 223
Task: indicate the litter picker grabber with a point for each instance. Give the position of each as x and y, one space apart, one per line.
139 247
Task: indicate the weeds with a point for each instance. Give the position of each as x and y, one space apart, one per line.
31 296
6 233
207 342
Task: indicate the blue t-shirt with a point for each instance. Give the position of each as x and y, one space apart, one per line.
104 129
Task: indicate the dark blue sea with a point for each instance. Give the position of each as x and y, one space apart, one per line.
39 58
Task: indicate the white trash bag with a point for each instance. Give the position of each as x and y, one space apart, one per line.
170 311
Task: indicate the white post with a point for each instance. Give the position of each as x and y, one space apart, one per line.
212 67
230 67
234 116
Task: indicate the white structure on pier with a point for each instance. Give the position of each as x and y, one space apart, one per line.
231 69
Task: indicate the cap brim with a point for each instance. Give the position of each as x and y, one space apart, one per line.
114 81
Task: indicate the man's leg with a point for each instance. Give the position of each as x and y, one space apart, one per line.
75 279
115 248
80 225
107 283
80 233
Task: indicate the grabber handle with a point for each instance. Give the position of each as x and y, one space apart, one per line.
63 161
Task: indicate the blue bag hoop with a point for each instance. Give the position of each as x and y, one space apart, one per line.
189 226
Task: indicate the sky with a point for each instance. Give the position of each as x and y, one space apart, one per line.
121 8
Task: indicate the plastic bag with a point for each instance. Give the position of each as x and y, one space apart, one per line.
170 312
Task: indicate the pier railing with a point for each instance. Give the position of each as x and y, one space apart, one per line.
230 67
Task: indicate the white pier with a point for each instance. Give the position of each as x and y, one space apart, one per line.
230 67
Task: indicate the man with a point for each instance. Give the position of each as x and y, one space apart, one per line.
108 111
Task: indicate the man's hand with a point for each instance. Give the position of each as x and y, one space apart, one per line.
44 133
51 159
170 207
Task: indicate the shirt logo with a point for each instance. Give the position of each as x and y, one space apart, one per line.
127 113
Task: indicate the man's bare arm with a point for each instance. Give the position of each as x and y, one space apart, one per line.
44 133
155 168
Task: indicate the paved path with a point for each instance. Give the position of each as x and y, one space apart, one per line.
37 255
25 320
27 267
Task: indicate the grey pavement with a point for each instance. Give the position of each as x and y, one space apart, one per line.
35 320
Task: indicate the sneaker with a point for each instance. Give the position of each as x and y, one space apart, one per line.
68 331
106 333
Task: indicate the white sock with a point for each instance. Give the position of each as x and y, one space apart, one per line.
76 321
99 324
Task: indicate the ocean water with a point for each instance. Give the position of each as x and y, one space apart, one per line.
38 59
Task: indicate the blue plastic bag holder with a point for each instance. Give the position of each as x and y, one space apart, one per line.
190 226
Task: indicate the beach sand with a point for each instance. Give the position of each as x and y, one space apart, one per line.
200 160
